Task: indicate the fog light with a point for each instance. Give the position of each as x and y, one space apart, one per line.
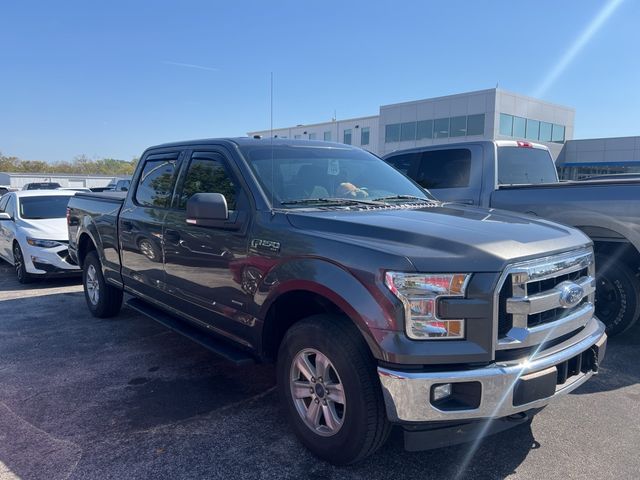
40 260
440 391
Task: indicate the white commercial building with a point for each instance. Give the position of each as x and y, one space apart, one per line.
19 180
486 114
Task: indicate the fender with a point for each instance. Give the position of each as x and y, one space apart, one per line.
109 257
322 277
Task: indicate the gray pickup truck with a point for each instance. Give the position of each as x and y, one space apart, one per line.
380 305
521 176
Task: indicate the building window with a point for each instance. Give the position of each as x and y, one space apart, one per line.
407 131
312 136
424 129
392 133
364 136
506 125
475 124
458 126
327 136
519 127
533 129
347 136
545 132
557 134
441 128
297 137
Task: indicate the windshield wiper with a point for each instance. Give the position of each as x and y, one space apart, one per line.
403 197
339 201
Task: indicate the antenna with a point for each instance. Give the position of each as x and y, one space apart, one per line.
273 176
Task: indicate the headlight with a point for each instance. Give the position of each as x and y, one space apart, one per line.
419 293
36 242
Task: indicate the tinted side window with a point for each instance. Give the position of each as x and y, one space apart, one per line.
208 174
156 183
444 169
402 162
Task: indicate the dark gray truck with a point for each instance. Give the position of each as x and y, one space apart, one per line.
521 176
380 305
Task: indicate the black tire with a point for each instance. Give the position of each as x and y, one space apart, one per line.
103 300
23 276
364 427
617 291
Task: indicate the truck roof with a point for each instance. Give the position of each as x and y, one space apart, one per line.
248 141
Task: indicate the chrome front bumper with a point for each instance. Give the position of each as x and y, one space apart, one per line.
408 395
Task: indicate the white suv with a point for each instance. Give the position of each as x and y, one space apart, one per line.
33 233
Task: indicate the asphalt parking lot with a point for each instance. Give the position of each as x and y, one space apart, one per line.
83 398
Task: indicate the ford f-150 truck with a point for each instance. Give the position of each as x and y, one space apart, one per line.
521 176
380 305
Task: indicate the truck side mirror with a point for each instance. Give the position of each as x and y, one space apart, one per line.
4 216
207 210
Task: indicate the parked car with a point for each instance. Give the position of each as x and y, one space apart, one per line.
521 176
379 304
6 188
42 186
119 185
33 233
75 189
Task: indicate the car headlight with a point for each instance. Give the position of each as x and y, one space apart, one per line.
419 293
37 242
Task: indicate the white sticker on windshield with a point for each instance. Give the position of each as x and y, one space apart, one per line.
334 167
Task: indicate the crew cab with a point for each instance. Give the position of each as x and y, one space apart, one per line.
379 304
521 176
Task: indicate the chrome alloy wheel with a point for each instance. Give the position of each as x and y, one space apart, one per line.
92 285
317 392
18 261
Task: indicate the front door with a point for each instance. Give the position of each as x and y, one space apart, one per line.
201 262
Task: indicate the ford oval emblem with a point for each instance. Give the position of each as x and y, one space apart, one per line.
570 294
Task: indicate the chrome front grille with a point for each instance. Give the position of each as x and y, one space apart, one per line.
543 299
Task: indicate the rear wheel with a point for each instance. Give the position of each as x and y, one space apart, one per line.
103 300
330 391
19 265
617 291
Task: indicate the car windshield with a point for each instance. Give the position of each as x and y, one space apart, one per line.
46 207
298 175
521 166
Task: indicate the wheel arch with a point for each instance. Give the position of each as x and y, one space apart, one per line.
327 289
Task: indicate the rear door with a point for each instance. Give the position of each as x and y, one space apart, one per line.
141 221
203 264
451 174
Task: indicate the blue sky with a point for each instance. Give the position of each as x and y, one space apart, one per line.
108 79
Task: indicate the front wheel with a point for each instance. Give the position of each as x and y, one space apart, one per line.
22 275
103 300
617 291
330 391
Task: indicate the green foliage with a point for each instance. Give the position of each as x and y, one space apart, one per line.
80 165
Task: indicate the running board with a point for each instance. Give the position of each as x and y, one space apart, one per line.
221 348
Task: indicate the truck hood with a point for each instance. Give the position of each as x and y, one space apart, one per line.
444 237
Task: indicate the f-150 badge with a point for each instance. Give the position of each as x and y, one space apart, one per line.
265 245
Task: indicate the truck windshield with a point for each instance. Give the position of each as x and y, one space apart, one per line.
520 165
40 208
295 175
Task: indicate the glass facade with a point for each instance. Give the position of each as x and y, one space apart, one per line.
461 126
347 136
458 126
407 131
475 124
441 128
530 129
424 129
364 136
392 133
